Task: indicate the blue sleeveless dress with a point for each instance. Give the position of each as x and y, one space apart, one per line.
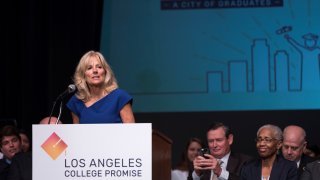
105 110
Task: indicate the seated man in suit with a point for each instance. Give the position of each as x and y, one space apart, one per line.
10 144
221 162
293 146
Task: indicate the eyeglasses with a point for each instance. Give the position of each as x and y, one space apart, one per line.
266 140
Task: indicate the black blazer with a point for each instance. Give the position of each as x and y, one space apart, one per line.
311 171
303 162
235 162
4 169
282 169
21 167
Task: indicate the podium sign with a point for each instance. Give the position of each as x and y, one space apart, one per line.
92 152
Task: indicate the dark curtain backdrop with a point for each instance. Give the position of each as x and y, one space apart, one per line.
42 44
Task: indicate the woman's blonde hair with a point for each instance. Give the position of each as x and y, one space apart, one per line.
109 84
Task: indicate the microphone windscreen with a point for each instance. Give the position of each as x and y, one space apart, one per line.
72 88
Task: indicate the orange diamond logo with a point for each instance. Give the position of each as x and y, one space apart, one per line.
54 146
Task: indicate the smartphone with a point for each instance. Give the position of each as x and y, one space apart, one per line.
204 151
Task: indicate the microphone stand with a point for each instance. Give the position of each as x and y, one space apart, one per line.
52 109
71 88
60 110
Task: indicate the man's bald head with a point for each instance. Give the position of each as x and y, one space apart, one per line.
294 132
294 142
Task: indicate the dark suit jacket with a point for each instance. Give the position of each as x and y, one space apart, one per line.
303 162
311 171
282 169
4 169
21 167
234 165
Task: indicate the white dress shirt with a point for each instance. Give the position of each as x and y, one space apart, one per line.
224 173
179 175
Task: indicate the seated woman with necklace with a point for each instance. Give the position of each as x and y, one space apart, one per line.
269 166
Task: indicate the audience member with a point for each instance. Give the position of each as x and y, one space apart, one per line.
98 99
311 171
269 166
184 169
21 166
312 150
10 144
221 163
25 141
293 146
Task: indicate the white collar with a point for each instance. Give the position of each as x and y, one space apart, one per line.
225 159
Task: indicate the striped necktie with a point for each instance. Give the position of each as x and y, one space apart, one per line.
214 176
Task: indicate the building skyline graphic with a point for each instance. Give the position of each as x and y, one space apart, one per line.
268 71
264 71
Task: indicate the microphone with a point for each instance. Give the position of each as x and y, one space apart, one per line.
71 88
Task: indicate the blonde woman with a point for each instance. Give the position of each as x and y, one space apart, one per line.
98 98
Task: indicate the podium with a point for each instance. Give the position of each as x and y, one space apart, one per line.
161 156
93 151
